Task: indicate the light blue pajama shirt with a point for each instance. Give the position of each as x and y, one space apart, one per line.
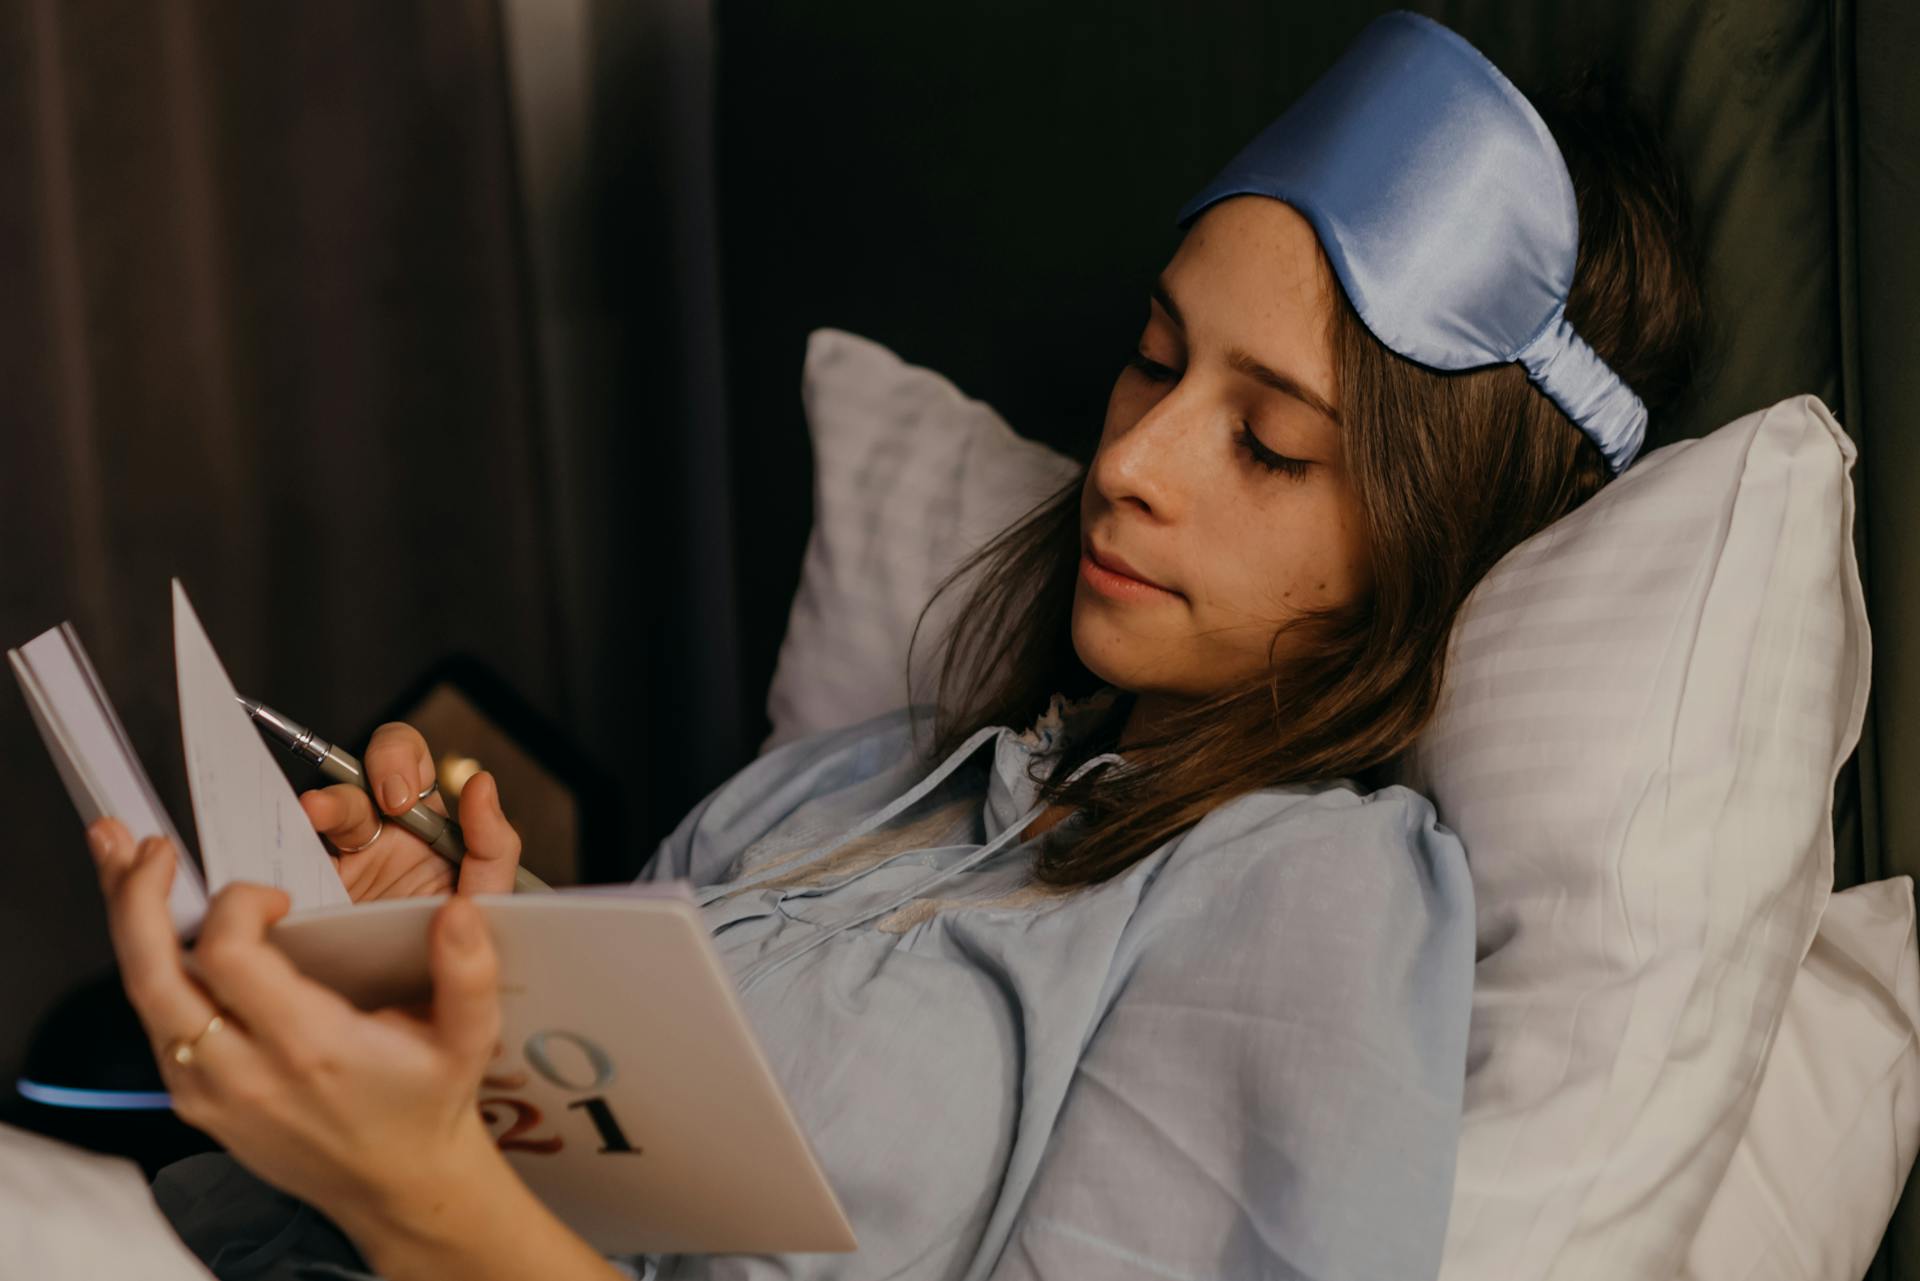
1243 1057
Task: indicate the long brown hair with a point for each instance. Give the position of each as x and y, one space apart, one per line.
1451 471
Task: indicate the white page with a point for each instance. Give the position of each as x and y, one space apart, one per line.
95 759
251 825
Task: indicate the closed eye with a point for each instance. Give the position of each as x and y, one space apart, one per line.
1294 468
1153 369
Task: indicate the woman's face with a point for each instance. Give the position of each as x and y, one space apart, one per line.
1234 369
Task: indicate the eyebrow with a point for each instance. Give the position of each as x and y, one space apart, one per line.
1243 361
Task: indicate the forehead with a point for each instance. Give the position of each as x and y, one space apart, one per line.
1250 275
1252 261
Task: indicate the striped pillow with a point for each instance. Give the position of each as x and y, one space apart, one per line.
909 477
1646 705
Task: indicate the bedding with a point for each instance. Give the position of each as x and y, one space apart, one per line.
1647 707
1836 1120
909 476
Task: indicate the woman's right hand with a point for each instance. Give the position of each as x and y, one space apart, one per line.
399 864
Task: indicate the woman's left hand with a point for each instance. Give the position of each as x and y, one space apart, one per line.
369 1117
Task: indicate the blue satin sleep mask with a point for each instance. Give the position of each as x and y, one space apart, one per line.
1446 210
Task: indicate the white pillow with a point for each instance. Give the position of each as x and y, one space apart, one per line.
1642 613
909 476
1645 709
1835 1124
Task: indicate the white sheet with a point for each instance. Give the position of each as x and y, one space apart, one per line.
66 1213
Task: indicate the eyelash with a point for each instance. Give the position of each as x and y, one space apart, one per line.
1295 468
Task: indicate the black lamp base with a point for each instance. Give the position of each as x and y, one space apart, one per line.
90 1080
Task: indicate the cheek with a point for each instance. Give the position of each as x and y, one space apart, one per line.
1354 553
1313 557
1340 573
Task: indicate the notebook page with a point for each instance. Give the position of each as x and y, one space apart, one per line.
251 825
95 759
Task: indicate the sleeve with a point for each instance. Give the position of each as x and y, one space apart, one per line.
1276 1087
705 843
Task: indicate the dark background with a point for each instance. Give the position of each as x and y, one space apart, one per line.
368 320
406 329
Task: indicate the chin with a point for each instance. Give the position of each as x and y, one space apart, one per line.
1116 657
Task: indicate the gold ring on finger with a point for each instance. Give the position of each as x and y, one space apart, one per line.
180 1049
379 826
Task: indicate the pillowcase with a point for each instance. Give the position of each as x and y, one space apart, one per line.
67 1212
1645 708
1835 1124
910 476
1622 686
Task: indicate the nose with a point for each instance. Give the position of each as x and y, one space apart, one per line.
1151 461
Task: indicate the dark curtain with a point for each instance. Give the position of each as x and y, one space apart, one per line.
273 321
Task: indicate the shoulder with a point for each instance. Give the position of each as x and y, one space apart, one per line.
1382 848
1285 897
1291 1024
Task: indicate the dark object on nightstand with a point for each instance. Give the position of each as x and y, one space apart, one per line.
90 1080
567 810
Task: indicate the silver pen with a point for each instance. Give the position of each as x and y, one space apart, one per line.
441 834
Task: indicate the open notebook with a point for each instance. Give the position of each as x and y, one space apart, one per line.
628 1090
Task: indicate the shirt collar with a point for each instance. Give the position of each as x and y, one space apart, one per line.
1010 792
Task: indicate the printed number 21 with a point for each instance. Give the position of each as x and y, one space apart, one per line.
613 1139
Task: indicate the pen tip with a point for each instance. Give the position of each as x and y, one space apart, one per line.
251 705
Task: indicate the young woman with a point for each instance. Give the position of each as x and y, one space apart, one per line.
1162 984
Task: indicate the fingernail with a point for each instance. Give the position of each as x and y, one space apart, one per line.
393 794
97 840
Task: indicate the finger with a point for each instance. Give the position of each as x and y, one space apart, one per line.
493 846
466 993
247 974
436 803
399 766
170 1004
342 813
113 849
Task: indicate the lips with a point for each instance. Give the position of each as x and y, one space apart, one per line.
1107 560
